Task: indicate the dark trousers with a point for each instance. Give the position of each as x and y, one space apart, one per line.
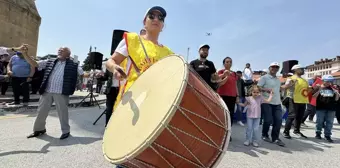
230 102
337 114
110 101
295 114
272 115
4 87
310 113
20 87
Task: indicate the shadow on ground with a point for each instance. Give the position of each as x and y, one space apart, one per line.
293 145
55 142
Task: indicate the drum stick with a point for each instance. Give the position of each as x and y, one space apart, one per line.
121 72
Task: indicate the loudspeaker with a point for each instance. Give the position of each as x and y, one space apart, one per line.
287 66
116 38
96 60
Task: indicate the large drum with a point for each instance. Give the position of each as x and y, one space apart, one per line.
168 118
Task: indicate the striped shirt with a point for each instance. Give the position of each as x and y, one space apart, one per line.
56 79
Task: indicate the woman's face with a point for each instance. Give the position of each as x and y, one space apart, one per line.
228 63
154 21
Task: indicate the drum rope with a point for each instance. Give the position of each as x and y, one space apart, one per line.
192 154
186 116
160 155
133 163
174 153
144 163
198 93
194 137
202 117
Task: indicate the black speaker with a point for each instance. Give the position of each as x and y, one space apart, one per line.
96 60
287 66
116 38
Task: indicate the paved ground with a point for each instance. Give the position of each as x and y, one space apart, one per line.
83 149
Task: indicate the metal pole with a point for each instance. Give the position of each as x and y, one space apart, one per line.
188 54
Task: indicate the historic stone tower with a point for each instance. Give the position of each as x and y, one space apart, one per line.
19 23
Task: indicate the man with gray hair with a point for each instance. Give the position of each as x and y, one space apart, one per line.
59 82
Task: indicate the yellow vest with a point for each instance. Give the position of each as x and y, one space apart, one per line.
300 91
136 52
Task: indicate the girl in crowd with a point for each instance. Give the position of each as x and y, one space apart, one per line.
326 99
253 104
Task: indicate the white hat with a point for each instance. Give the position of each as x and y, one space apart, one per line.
274 64
265 70
204 46
297 66
290 74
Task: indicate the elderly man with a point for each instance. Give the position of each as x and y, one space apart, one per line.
272 111
59 83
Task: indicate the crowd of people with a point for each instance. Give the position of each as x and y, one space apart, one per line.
263 99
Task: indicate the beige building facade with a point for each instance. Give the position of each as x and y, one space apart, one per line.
19 23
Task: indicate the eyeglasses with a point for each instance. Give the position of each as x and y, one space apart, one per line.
153 16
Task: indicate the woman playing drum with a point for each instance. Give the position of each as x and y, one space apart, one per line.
135 54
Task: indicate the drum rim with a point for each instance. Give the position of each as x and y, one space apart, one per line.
163 123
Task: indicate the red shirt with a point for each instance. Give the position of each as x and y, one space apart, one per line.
312 100
229 88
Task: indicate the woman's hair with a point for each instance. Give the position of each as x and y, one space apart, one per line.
226 59
252 88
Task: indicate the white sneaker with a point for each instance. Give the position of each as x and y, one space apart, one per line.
240 123
255 144
246 143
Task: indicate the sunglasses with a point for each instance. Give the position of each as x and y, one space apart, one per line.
153 16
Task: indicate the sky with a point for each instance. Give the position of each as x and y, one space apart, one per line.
258 32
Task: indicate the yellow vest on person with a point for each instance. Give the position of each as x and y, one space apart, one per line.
136 52
300 91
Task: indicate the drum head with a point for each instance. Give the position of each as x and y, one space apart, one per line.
145 109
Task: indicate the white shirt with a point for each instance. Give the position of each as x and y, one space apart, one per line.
122 48
115 82
247 74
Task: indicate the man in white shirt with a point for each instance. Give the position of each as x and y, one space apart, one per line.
248 74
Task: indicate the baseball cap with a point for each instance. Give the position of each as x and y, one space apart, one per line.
297 66
265 70
290 74
204 46
328 78
274 64
156 8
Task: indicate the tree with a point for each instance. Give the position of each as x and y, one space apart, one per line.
87 66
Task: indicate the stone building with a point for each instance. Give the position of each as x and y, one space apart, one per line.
19 23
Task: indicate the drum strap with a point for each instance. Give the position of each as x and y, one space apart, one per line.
146 55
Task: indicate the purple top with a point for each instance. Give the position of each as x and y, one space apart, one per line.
254 106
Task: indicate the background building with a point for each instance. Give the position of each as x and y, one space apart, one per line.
323 66
19 22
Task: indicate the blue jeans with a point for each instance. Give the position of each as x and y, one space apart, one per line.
272 114
239 110
323 116
252 131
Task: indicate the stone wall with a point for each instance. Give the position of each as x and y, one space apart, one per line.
19 23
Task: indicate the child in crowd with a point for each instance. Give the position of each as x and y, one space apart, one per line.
326 105
253 104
